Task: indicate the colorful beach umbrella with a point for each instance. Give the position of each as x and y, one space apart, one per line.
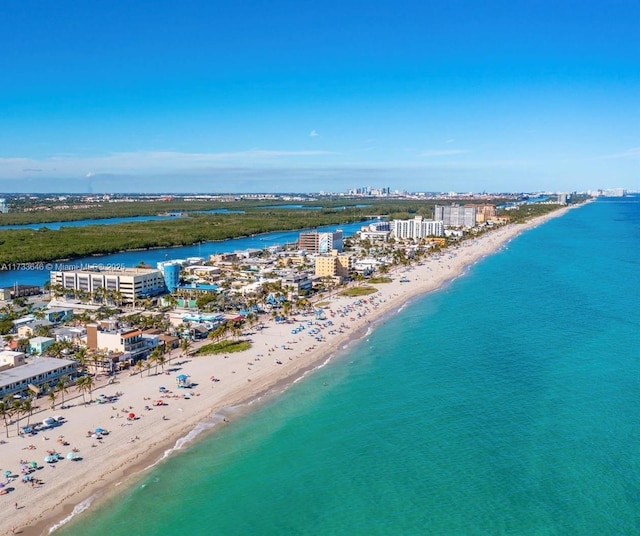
8 473
33 465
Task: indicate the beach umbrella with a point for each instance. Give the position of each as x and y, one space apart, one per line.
99 430
132 415
26 478
33 465
8 473
48 459
71 456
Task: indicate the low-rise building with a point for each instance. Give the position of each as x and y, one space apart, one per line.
128 341
38 345
297 282
10 359
19 291
74 334
34 375
26 331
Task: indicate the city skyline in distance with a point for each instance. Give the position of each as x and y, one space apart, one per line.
290 97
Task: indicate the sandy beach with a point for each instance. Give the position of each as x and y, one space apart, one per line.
165 420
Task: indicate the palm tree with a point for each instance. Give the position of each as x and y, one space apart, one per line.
17 409
51 396
82 386
151 359
161 359
5 411
81 357
27 407
61 386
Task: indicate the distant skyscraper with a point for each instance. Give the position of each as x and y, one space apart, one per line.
3 206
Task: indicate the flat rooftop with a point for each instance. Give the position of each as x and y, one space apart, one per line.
35 367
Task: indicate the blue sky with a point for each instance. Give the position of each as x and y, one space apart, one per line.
303 96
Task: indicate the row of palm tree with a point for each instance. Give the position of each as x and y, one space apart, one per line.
157 357
15 408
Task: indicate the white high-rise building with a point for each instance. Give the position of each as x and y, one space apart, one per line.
418 227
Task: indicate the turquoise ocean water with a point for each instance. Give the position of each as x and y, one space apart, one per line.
506 403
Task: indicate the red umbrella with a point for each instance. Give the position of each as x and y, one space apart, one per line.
132 415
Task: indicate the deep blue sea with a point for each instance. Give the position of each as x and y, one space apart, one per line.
507 403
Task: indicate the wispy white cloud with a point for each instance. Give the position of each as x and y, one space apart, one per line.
141 161
313 133
442 152
634 152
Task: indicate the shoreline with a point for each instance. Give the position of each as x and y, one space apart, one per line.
123 462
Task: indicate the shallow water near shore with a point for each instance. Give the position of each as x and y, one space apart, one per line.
506 403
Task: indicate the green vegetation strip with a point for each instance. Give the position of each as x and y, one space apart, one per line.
224 347
43 245
358 291
378 280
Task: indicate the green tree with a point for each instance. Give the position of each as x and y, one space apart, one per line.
61 387
6 412
81 386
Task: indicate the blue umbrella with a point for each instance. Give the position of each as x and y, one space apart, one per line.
99 430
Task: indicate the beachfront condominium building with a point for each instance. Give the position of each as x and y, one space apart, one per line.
333 265
126 285
315 242
456 215
3 206
485 213
416 228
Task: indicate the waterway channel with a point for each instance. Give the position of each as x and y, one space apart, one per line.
38 273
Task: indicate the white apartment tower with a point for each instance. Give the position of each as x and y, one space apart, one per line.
416 228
